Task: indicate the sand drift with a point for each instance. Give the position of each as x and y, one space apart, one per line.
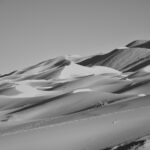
98 102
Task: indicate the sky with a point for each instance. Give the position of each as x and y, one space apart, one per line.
35 30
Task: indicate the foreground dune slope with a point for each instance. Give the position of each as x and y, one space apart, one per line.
90 133
98 102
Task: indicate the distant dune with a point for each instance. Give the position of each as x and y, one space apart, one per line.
99 102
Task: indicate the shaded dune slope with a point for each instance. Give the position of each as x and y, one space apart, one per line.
126 59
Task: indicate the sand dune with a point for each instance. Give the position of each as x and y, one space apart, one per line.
98 102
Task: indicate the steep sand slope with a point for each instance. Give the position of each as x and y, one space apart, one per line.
130 58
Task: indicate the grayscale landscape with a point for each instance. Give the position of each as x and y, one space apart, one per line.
74 75
72 102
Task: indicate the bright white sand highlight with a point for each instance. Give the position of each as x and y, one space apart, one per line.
124 47
26 89
75 70
82 90
141 95
147 68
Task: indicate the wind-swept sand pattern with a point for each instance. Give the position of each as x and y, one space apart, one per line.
100 102
90 133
